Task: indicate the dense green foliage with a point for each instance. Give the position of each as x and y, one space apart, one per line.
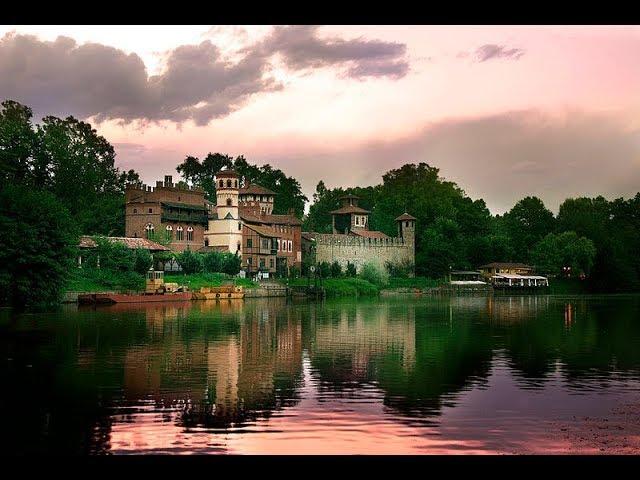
564 253
202 173
67 158
197 280
37 247
343 287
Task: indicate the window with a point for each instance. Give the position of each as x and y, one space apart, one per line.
239 226
278 244
135 210
221 183
271 262
151 210
228 202
228 183
238 249
249 243
262 263
289 243
236 185
206 242
149 230
357 220
179 234
249 261
190 234
265 244
169 232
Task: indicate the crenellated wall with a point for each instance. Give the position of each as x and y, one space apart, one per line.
359 250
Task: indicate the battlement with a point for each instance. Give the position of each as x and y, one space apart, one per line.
361 242
160 186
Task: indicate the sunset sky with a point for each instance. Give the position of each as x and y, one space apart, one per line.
505 112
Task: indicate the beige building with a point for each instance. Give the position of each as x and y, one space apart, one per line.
353 242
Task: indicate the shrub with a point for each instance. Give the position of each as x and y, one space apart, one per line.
190 262
110 255
351 270
375 274
294 272
403 269
336 269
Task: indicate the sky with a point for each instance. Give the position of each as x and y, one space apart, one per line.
504 111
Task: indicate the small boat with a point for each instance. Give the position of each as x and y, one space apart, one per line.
227 292
110 298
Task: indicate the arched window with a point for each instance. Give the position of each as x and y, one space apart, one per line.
238 249
206 242
236 184
169 232
228 183
190 234
179 234
149 230
135 210
221 183
228 202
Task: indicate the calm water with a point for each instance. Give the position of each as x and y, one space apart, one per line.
461 375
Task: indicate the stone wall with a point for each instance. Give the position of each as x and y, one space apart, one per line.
358 251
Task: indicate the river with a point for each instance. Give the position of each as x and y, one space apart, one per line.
505 375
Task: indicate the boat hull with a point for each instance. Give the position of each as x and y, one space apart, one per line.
110 298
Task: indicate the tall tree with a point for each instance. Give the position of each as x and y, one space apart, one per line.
528 222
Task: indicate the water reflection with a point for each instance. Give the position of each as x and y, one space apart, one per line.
419 375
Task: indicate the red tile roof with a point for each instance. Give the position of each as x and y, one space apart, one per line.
264 231
270 219
256 189
405 216
130 242
348 209
368 233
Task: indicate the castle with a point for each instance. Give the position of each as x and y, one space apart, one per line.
353 242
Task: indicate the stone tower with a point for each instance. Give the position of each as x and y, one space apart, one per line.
227 192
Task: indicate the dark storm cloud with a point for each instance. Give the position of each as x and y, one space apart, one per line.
491 51
500 158
61 77
300 48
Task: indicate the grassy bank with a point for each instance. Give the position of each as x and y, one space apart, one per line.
197 280
342 287
415 282
90 280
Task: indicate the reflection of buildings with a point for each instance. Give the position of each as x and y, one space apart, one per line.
224 362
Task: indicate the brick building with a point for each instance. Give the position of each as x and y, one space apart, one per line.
243 221
167 212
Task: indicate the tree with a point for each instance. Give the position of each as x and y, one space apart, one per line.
37 247
232 263
143 260
526 224
336 269
555 252
351 270
213 262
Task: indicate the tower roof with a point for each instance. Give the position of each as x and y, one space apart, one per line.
405 216
349 209
256 189
227 173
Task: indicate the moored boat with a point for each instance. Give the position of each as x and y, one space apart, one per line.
227 292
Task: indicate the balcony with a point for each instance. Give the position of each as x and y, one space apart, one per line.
184 217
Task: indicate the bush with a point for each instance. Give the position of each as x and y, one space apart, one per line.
294 272
351 270
190 262
37 247
404 269
375 274
336 270
110 255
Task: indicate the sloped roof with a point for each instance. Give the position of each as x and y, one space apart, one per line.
348 209
405 216
227 173
263 231
271 219
506 265
87 242
255 189
368 233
